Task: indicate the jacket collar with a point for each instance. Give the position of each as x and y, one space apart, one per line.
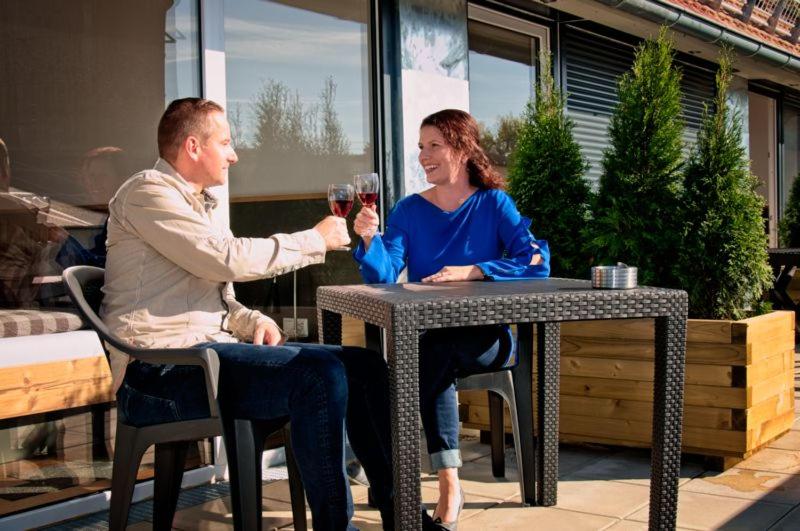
208 199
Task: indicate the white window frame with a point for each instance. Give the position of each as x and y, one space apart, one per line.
517 25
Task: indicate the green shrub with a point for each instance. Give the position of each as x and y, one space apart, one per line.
635 212
789 226
723 261
546 178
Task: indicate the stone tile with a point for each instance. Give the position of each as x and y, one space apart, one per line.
789 522
511 517
706 511
141 526
628 525
573 457
472 449
790 441
774 460
629 466
607 498
476 478
217 515
749 484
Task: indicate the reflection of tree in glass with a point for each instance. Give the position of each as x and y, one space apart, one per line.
284 124
237 132
499 142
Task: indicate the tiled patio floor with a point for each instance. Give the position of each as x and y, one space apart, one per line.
599 488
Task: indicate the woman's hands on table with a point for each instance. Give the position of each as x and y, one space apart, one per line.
456 274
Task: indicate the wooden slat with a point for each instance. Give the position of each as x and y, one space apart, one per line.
353 332
709 417
635 349
696 374
779 363
640 432
767 347
770 429
694 395
766 326
642 329
697 331
44 387
768 388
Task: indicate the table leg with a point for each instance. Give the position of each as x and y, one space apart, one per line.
402 341
523 389
330 331
667 420
548 359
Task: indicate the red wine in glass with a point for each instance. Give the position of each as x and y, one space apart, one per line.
341 207
368 198
367 186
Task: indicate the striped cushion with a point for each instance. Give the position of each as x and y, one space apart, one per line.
18 322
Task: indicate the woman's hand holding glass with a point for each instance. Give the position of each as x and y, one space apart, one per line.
366 224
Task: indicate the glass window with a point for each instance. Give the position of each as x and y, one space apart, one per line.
299 104
83 86
503 63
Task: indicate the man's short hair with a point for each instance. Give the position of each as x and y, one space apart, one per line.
184 118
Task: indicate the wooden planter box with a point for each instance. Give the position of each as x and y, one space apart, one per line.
739 391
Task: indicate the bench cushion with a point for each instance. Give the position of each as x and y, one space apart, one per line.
23 322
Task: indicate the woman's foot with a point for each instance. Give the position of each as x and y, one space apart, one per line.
449 508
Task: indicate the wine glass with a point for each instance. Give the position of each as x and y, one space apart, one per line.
340 199
367 187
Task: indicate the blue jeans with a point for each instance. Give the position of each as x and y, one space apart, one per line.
447 354
319 387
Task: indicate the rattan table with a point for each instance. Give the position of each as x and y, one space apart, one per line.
404 310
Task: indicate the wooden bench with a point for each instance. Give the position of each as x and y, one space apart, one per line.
49 367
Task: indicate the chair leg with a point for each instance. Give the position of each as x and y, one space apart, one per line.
244 442
512 405
128 452
497 430
99 414
169 462
295 484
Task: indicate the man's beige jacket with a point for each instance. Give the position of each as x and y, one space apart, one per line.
171 263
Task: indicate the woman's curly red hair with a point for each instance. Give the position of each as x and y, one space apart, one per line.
460 131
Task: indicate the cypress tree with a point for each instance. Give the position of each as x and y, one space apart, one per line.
635 219
546 178
789 226
724 262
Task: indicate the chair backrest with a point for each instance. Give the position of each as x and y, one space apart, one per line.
85 288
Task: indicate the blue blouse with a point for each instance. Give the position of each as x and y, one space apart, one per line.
487 230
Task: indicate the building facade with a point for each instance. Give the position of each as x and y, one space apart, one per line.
315 92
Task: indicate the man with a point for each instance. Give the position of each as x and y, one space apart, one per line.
169 271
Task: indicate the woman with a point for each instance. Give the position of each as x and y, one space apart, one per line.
463 228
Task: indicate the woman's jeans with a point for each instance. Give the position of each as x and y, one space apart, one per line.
319 387
447 354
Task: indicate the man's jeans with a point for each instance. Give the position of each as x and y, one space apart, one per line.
318 387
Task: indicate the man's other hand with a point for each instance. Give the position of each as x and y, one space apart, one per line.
334 232
267 333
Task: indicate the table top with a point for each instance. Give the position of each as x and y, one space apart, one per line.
466 303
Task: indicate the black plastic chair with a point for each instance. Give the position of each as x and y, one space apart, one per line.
84 286
500 387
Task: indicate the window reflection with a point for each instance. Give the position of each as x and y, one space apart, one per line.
298 88
83 86
502 73
298 94
791 153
